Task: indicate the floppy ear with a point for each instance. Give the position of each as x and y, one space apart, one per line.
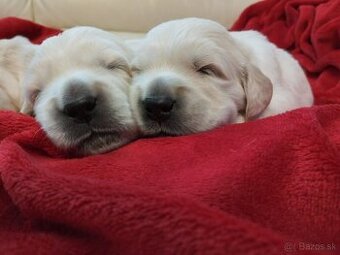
258 90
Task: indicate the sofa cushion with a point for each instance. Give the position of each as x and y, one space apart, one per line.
120 15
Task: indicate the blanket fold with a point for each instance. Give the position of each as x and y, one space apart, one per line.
269 186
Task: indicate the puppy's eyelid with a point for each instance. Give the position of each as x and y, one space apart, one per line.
34 95
206 70
135 69
118 64
211 70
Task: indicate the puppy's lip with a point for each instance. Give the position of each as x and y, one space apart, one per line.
98 134
94 141
160 134
98 143
165 134
165 128
89 135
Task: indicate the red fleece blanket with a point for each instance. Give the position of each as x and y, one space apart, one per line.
270 186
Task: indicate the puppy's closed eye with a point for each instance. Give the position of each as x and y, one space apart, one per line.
118 64
136 70
207 70
210 70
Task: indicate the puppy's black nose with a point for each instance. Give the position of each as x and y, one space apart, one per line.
158 107
81 109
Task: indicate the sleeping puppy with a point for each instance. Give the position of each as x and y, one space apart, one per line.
192 75
77 87
15 55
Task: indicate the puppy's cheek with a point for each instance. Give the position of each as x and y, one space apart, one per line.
136 103
43 111
193 105
48 116
199 114
123 82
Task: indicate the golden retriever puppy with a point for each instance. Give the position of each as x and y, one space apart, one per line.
192 75
77 87
15 55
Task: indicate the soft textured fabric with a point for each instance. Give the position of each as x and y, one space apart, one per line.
269 186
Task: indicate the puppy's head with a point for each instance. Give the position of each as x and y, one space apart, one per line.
190 76
77 87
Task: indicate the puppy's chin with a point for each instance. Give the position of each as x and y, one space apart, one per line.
86 141
82 140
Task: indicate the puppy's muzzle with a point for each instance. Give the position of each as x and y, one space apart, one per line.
159 107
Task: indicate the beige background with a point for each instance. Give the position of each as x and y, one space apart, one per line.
121 15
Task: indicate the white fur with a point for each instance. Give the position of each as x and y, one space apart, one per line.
291 89
251 78
15 55
84 56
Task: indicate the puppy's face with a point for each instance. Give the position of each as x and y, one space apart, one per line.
188 78
77 86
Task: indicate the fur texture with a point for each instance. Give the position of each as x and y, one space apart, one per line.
212 76
68 69
15 55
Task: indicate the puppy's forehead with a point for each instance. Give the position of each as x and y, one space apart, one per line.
83 40
182 47
183 39
188 28
74 49
78 43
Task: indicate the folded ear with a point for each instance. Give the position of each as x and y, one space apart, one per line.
258 90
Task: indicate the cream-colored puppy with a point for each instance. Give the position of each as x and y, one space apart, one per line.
192 75
15 55
77 86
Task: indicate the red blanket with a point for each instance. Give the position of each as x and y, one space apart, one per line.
265 187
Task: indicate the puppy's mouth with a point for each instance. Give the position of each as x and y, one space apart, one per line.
94 142
171 127
93 135
161 134
83 140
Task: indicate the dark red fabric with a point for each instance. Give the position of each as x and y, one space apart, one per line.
11 27
269 186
